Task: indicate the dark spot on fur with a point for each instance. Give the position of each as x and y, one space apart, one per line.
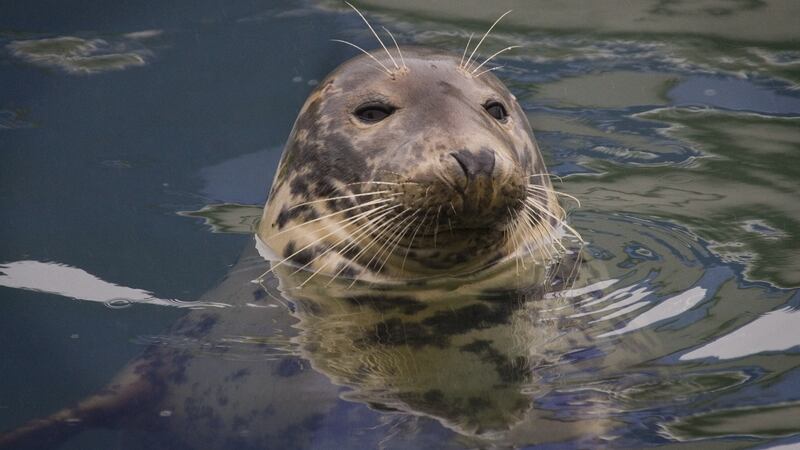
346 270
305 212
289 249
301 257
325 189
299 186
352 250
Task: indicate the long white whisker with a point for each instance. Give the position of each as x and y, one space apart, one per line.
390 239
402 60
408 249
314 242
488 70
546 190
370 221
369 203
386 227
463 55
357 237
511 234
364 228
551 233
436 225
386 69
397 241
538 236
550 175
542 208
484 37
329 199
495 54
376 35
380 182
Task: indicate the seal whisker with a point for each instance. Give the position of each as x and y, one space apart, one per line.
538 237
532 243
541 208
402 60
547 175
385 211
550 190
363 194
463 55
484 37
397 241
381 228
388 72
375 239
510 234
534 217
376 35
381 182
411 243
436 225
369 203
309 246
356 239
387 241
359 231
382 225
488 70
493 55
552 235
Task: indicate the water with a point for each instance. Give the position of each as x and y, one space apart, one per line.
138 142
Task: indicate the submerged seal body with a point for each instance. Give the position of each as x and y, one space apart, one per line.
430 168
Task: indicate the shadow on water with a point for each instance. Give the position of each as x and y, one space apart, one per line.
675 124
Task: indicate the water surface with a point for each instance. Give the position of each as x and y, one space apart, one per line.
138 142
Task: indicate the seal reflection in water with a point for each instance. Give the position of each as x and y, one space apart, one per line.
412 223
457 351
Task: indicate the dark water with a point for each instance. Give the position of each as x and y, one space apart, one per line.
679 133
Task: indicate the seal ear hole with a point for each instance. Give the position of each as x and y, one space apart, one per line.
496 110
373 112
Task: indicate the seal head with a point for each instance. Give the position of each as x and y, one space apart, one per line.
429 169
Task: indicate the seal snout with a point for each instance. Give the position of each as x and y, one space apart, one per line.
475 164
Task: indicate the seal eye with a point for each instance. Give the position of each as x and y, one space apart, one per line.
496 110
373 112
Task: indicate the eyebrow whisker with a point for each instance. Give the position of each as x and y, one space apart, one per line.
386 69
484 37
376 34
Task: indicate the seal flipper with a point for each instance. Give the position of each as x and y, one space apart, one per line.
134 389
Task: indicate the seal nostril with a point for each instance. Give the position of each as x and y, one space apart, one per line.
480 163
460 162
